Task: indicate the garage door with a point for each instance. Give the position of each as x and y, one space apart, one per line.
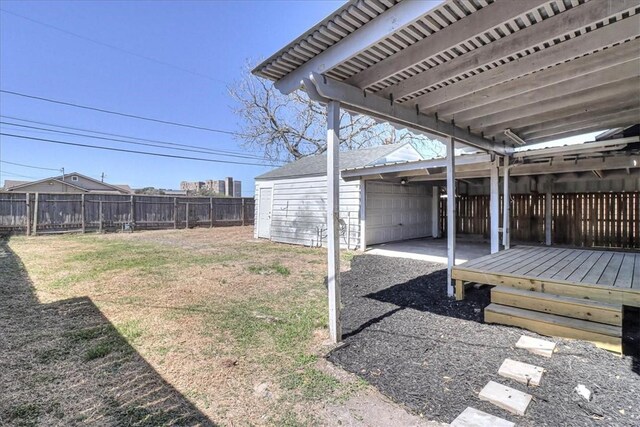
397 212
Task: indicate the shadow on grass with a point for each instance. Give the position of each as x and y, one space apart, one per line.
64 363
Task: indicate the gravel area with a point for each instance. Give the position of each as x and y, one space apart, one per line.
434 355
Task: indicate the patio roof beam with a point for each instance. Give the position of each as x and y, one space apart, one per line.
356 100
534 113
460 31
555 27
567 71
560 53
593 81
395 18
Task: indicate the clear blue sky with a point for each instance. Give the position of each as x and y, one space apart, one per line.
210 38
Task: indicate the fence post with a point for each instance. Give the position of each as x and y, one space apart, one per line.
211 212
243 211
175 213
28 201
35 215
83 212
186 214
132 218
100 218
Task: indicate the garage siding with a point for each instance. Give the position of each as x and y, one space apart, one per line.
299 211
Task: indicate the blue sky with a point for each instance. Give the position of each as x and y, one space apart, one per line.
214 39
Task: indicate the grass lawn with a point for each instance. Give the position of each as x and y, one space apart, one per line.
161 328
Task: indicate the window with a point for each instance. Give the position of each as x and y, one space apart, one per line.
74 178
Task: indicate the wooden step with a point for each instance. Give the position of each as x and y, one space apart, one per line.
604 336
576 308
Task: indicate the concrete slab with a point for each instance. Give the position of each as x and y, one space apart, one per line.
522 372
472 417
505 397
536 345
433 250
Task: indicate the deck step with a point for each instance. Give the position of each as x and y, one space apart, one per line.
576 308
605 336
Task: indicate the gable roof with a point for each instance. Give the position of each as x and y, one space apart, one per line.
317 165
20 184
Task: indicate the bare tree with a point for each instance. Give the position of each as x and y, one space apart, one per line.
286 127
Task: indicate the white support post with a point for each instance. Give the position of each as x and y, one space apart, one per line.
435 212
363 215
506 214
494 203
451 213
547 215
333 209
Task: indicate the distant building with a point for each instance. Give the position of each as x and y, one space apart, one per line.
67 183
226 186
237 188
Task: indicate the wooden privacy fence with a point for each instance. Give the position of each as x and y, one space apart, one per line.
57 212
577 219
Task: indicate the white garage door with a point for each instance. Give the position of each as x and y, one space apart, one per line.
397 212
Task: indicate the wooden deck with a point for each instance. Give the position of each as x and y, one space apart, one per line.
606 276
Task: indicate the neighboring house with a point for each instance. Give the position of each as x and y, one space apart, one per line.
67 183
291 201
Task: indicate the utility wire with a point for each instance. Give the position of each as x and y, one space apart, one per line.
110 46
132 116
28 166
125 141
214 151
18 175
122 150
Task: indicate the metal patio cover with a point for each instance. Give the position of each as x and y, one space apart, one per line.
492 73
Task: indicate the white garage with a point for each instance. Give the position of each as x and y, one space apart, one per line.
397 212
291 201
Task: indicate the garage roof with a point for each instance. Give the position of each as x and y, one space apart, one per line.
541 69
317 165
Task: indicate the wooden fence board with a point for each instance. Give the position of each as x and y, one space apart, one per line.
52 212
578 219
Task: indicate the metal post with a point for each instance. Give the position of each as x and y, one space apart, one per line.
132 219
333 209
547 215
35 215
494 206
186 215
435 212
211 212
100 217
506 202
243 211
363 215
28 200
451 213
175 213
83 214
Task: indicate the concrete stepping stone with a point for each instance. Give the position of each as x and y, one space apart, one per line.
536 345
521 372
472 417
505 397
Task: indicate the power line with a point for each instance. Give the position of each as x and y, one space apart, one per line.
214 151
110 46
18 175
127 142
132 116
28 166
122 150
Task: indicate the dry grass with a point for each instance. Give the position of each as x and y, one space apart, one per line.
160 328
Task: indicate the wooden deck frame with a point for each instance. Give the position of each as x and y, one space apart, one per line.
493 274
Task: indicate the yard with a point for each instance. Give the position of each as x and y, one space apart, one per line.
187 327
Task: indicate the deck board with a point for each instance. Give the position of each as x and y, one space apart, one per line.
602 275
